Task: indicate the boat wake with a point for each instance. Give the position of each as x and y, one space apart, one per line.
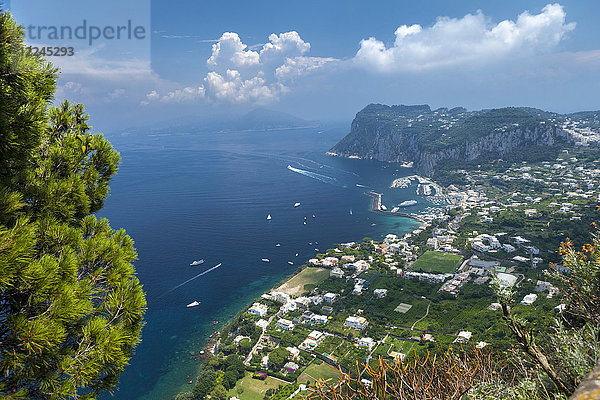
314 175
189 280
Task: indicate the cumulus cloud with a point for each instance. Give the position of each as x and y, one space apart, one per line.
472 39
258 74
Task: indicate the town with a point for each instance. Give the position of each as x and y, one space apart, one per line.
427 289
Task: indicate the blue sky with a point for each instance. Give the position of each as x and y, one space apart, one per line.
327 59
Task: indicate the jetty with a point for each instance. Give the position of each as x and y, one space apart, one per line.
376 203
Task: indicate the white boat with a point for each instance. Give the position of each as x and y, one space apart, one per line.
383 208
197 262
407 203
269 217
350 212
314 216
297 204
317 250
291 263
296 254
193 304
304 222
395 209
278 245
266 260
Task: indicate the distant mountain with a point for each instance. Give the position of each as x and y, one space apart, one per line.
263 119
257 120
426 137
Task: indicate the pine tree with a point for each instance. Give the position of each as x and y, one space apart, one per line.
71 308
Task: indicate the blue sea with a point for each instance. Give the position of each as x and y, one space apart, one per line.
185 196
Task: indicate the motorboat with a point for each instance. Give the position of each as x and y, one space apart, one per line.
193 304
197 262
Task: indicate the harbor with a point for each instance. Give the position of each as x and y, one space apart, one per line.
376 206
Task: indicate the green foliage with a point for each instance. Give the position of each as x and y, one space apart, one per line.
278 357
219 393
70 303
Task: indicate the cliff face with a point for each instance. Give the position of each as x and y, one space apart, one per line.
425 137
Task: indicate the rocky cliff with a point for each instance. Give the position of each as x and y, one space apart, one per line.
426 137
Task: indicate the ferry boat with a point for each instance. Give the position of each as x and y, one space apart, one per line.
193 304
407 203
197 262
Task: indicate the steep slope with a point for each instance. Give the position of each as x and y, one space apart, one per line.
426 137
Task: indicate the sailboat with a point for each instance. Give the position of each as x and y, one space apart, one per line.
269 217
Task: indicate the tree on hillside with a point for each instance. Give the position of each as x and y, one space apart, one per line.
71 308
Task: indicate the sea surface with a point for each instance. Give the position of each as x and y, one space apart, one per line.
185 196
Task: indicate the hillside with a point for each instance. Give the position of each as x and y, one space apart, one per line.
426 137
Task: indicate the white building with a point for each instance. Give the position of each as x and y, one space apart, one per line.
285 324
529 299
320 319
366 342
463 337
542 286
330 297
337 272
379 293
258 309
262 324
356 322
508 248
281 297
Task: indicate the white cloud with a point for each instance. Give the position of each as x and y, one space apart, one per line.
472 39
115 94
257 74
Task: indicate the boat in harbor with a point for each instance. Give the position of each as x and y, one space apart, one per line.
269 217
193 304
266 260
197 262
296 205
407 203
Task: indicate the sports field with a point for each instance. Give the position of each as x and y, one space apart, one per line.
437 262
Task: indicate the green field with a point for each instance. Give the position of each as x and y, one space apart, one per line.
315 372
434 261
295 285
253 389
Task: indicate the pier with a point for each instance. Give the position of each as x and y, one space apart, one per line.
376 207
